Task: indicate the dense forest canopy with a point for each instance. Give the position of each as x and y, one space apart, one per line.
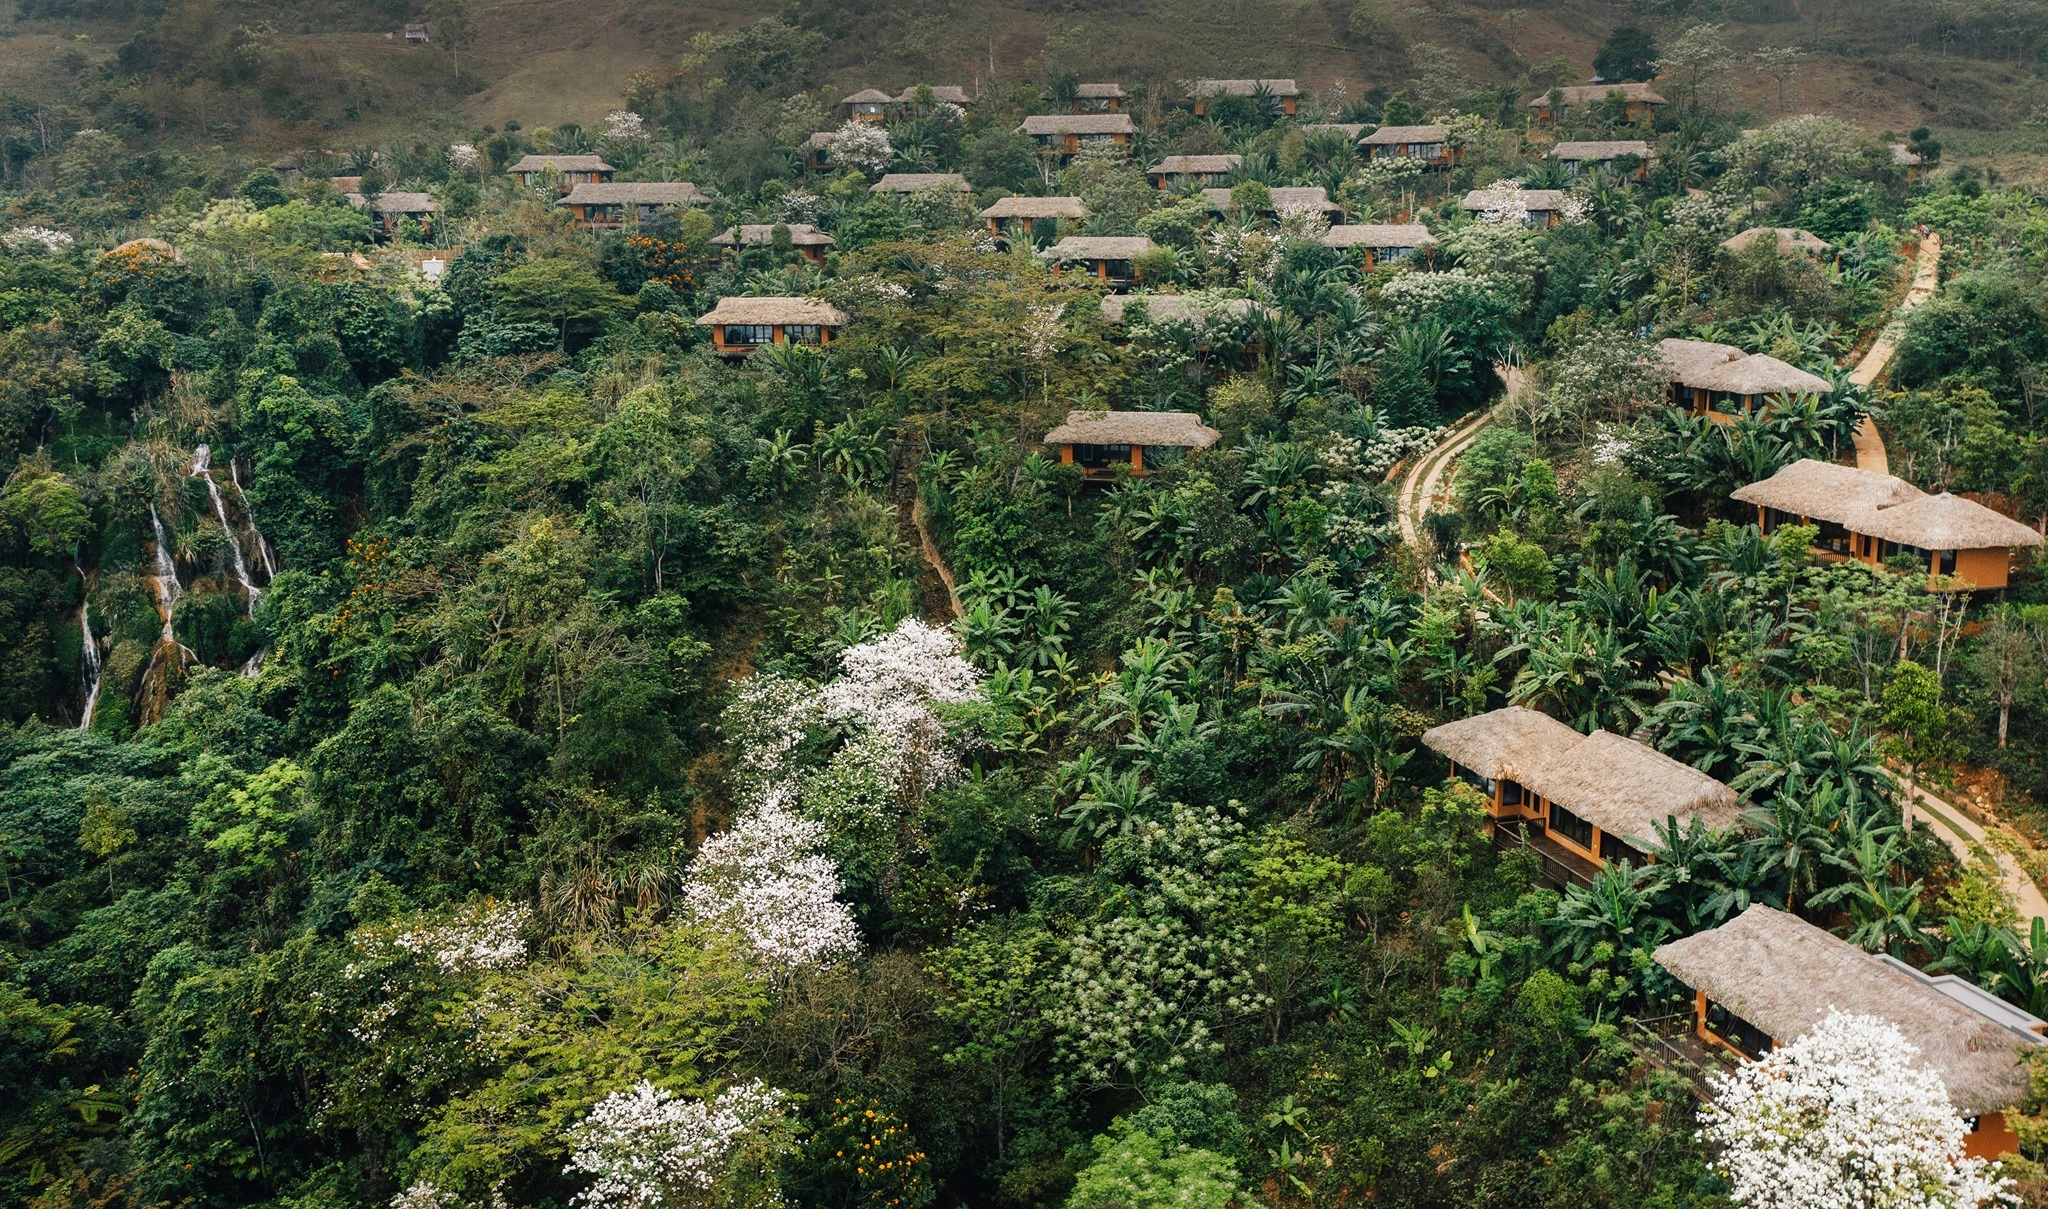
467 740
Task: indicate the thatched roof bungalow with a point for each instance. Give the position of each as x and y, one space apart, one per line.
1543 205
809 241
611 204
1383 243
1066 133
391 209
1105 257
574 169
1601 154
1102 443
1639 101
867 105
1281 198
1765 978
1583 801
1010 213
741 325
1873 517
1177 170
1098 98
918 182
1428 144
1723 388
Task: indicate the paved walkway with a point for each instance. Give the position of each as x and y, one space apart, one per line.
1870 453
1963 834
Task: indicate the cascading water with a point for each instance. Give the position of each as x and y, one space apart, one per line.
93 671
164 574
202 469
157 685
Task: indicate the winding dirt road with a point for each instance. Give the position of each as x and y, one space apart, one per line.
1870 454
1420 486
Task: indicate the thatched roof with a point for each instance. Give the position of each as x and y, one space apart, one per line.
1686 361
1395 136
1537 200
1585 94
1350 130
1176 308
1037 207
635 193
801 235
1788 238
1379 235
1904 157
397 203
1098 92
942 94
1626 788
1941 522
1099 247
1245 88
1784 975
1183 165
1758 374
1179 428
918 182
562 163
1825 491
1602 150
1046 125
1494 743
773 311
867 96
821 141
1284 197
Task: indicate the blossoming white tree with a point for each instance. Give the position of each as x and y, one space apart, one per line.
645 1148
1842 1117
624 126
765 880
465 158
863 145
38 239
1502 201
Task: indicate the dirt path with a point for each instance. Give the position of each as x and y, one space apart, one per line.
1870 454
1420 483
930 550
1966 837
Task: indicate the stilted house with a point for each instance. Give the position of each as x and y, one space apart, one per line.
1066 133
808 241
573 169
1098 98
388 210
867 105
1428 145
1284 91
620 203
1104 257
1176 171
1106 443
741 325
1010 214
1788 239
1543 205
1601 156
1381 243
1581 802
918 182
1281 199
1687 362
1765 978
1721 382
1872 517
1639 101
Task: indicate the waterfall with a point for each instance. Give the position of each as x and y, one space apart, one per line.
202 469
93 670
262 542
165 575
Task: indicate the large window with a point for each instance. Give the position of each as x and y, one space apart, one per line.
802 333
750 333
1947 562
1614 850
1390 255
1096 457
1740 1033
1570 826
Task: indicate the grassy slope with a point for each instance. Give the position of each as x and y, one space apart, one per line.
547 61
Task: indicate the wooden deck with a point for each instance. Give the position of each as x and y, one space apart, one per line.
1561 866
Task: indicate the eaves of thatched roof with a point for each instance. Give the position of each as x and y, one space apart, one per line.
776 310
1183 429
1942 522
1037 207
1825 491
1784 976
1378 235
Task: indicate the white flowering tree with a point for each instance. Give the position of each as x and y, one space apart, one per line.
624 126
767 880
1843 1117
1502 201
646 1148
862 145
35 239
465 159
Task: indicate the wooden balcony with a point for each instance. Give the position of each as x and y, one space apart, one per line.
1560 866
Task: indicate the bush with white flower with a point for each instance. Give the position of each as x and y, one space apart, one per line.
647 1148
35 239
465 158
1843 1117
1502 201
624 126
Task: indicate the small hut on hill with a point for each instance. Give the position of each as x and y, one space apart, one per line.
1101 441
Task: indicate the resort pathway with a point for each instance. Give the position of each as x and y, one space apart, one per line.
1418 489
1870 454
1965 836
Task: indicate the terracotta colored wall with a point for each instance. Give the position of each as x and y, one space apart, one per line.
1984 568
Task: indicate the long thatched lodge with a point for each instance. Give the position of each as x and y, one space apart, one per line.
1765 977
1581 802
1874 517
